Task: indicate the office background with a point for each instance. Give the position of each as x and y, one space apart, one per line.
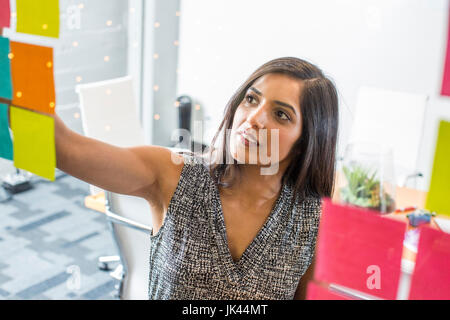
204 49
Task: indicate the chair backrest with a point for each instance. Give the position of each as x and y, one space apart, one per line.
109 113
394 119
133 245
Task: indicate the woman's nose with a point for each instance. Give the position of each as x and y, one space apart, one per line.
258 117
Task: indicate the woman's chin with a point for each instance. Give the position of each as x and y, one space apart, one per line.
243 157
249 154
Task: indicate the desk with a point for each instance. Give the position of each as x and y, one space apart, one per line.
405 197
96 202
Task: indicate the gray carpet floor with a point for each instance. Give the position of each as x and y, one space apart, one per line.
50 242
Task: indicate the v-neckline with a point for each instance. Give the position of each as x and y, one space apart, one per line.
256 246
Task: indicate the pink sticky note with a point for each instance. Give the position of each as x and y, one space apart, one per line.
431 277
445 90
316 292
5 14
360 250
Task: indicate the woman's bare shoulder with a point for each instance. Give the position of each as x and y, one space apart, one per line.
169 166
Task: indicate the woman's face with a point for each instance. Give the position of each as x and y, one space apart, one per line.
270 116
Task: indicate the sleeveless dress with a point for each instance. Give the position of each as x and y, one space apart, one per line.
190 258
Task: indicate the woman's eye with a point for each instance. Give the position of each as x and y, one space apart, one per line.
249 98
282 115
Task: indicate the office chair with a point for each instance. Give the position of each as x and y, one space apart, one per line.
130 221
109 114
393 119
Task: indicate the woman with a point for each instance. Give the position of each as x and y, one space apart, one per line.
222 229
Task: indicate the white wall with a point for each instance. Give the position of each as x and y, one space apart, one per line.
135 48
392 44
153 63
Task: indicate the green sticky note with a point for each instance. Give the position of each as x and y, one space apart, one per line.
5 69
438 198
6 146
38 17
34 142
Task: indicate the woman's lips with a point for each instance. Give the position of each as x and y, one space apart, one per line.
247 140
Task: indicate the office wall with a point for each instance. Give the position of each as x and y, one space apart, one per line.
391 44
160 57
86 38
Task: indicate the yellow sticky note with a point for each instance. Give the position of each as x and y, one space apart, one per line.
438 198
34 142
38 17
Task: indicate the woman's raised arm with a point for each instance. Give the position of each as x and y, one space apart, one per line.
134 171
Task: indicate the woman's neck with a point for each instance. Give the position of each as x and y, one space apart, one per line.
253 189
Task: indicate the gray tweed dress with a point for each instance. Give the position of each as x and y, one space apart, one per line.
190 258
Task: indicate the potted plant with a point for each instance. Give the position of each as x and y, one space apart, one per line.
363 189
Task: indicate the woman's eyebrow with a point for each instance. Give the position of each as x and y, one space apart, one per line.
284 104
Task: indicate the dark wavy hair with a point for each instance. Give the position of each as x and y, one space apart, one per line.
311 170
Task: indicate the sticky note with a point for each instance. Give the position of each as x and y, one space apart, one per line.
316 292
32 77
438 197
38 17
431 277
5 69
6 147
445 89
34 142
360 250
5 14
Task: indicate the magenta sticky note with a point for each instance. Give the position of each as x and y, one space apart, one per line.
359 249
445 89
431 276
5 14
317 292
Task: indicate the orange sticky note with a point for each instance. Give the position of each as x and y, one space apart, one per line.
32 77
